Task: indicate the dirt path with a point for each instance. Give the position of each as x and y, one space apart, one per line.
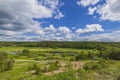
21 60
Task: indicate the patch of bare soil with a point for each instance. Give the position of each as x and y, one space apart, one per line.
77 65
54 72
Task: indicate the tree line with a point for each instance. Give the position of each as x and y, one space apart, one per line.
64 44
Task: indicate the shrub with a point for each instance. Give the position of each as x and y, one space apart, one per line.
52 66
37 71
36 68
81 72
104 63
114 55
33 67
96 66
118 78
81 56
87 66
25 52
90 55
92 66
5 63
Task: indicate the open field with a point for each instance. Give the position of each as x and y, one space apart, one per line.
45 63
12 49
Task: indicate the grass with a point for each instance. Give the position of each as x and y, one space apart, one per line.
19 72
64 50
68 69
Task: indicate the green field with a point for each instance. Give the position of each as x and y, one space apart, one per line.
48 63
10 49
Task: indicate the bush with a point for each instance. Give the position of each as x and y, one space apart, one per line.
36 68
52 66
33 67
87 66
114 55
81 56
81 72
104 63
118 78
96 66
25 52
92 66
5 63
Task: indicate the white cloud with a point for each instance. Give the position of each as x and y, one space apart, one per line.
90 28
73 28
91 10
48 33
16 20
64 33
64 29
53 4
59 15
16 16
111 36
87 2
110 10
51 28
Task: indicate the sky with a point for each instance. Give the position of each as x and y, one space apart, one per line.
60 20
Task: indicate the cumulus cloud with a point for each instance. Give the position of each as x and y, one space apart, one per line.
48 33
87 2
108 36
16 16
16 20
53 33
91 10
60 15
64 29
51 28
90 28
111 36
53 4
110 10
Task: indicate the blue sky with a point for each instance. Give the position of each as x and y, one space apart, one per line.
60 20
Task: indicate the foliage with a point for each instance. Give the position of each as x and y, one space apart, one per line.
5 63
58 44
52 66
81 56
81 72
92 66
112 53
35 68
25 52
118 78
28 67
96 65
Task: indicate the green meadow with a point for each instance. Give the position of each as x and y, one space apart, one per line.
59 63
